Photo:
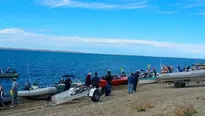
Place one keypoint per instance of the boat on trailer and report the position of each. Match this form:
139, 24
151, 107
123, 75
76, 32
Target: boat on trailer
75, 93
180, 79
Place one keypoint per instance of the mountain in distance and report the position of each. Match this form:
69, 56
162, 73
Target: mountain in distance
41, 50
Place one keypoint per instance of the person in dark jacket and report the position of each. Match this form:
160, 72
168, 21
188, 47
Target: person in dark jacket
135, 80
108, 78
95, 80
68, 83
155, 72
88, 79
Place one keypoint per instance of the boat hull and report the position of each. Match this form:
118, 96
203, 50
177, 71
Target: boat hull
38, 93
148, 80
7, 98
123, 81
9, 75
194, 75
115, 82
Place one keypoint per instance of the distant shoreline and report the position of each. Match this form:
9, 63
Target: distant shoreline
38, 50
67, 51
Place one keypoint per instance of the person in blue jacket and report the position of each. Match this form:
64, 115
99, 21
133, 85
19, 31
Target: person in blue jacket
96, 80
130, 83
179, 69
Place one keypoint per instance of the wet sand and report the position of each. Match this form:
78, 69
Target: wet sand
164, 101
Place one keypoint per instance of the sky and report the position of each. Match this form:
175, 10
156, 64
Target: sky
165, 28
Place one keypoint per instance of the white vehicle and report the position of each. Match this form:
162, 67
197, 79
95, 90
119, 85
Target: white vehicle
180, 79
74, 93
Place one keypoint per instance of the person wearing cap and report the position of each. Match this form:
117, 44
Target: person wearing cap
14, 90
88, 79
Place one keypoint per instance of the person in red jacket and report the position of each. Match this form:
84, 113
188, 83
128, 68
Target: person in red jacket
88, 79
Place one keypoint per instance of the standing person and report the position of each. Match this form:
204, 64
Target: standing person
14, 90
123, 74
95, 80
68, 83
108, 78
130, 83
1, 96
155, 72
135, 80
88, 79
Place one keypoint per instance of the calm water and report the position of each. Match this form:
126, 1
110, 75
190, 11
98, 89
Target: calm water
47, 67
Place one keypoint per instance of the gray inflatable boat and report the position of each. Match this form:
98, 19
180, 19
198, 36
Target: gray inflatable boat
192, 75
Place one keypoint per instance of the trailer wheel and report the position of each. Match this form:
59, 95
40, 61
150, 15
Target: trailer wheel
177, 84
96, 96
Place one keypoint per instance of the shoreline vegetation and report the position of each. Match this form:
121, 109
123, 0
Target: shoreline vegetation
69, 51
150, 100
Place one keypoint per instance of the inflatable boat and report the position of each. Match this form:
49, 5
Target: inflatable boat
39, 93
192, 75
123, 80
116, 81
46, 92
10, 75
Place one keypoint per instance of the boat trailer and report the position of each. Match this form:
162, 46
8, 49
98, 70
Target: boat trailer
75, 93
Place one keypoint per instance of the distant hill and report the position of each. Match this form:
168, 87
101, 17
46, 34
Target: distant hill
41, 50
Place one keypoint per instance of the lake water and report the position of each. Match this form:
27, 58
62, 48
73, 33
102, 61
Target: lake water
47, 67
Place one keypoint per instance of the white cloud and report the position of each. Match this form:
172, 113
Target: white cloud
93, 5
14, 37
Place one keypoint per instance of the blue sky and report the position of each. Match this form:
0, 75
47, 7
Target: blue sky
133, 27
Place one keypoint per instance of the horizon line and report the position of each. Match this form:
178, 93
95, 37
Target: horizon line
71, 51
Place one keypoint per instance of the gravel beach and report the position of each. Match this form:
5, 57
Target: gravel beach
157, 100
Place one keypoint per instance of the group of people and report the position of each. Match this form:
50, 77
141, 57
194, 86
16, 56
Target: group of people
170, 69
90, 80
133, 81
13, 91
150, 72
8, 71
95, 81
188, 69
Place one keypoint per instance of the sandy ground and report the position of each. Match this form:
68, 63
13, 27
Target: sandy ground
164, 102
